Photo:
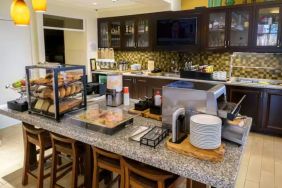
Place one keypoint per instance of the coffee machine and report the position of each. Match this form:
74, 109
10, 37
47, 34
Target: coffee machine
114, 95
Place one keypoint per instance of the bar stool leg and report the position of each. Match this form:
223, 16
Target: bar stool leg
161, 184
54, 169
95, 172
26, 163
74, 171
122, 184
41, 168
127, 184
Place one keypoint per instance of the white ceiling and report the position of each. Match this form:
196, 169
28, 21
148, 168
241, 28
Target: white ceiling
104, 4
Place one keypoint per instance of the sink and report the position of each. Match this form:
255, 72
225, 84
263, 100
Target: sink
170, 74
255, 81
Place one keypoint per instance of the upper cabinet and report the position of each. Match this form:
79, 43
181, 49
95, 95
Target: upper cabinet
239, 28
216, 35
267, 35
104, 36
125, 33
109, 34
136, 33
247, 28
228, 28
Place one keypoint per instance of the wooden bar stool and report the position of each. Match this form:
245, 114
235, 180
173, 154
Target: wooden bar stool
35, 137
138, 175
70, 149
104, 160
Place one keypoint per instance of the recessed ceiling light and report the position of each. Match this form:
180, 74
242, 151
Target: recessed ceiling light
94, 3
114, 0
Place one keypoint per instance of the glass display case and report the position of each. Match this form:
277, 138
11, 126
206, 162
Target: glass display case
239, 28
216, 30
268, 24
53, 89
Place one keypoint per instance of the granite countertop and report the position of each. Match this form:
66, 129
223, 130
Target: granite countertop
177, 77
221, 174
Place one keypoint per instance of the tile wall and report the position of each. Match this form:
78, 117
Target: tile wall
250, 65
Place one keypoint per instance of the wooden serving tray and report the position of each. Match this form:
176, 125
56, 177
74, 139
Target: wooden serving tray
152, 116
137, 112
186, 148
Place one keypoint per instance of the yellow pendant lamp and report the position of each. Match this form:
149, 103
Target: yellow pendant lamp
39, 5
20, 13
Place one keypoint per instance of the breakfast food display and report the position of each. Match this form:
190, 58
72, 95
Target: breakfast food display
58, 87
108, 118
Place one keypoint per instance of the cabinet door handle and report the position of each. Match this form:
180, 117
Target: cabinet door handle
278, 44
228, 43
225, 44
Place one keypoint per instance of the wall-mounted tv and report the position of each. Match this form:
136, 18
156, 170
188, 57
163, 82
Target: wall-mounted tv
177, 32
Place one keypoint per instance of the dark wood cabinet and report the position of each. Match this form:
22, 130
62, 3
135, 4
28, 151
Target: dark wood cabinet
229, 29
139, 87
272, 111
125, 32
129, 82
263, 105
137, 33
247, 27
109, 33
252, 104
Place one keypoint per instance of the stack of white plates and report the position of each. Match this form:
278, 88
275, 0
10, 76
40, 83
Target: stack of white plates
205, 131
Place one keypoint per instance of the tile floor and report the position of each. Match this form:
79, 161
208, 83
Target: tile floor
261, 165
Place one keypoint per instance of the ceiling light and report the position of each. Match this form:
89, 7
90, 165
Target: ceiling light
94, 3
114, 0
20, 13
39, 5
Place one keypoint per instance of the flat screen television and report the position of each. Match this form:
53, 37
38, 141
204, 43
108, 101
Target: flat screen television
177, 32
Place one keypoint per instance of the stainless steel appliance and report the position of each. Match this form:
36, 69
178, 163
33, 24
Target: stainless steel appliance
114, 98
114, 94
183, 99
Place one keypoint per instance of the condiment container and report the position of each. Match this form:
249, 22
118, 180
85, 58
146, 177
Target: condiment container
126, 96
158, 99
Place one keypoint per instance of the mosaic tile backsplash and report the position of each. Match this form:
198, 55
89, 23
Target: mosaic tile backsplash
249, 65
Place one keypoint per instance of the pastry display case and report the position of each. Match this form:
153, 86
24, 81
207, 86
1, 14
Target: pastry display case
53, 89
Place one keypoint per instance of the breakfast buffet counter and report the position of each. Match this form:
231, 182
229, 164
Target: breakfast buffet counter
222, 174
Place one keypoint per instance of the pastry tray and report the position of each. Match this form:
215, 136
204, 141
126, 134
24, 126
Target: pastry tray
100, 125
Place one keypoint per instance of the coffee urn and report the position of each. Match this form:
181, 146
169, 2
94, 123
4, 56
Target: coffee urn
114, 95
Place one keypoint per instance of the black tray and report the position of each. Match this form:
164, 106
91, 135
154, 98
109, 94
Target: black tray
14, 105
196, 75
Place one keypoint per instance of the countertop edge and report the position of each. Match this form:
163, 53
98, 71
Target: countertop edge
259, 86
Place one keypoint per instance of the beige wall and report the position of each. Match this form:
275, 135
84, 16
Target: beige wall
131, 10
90, 31
75, 48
